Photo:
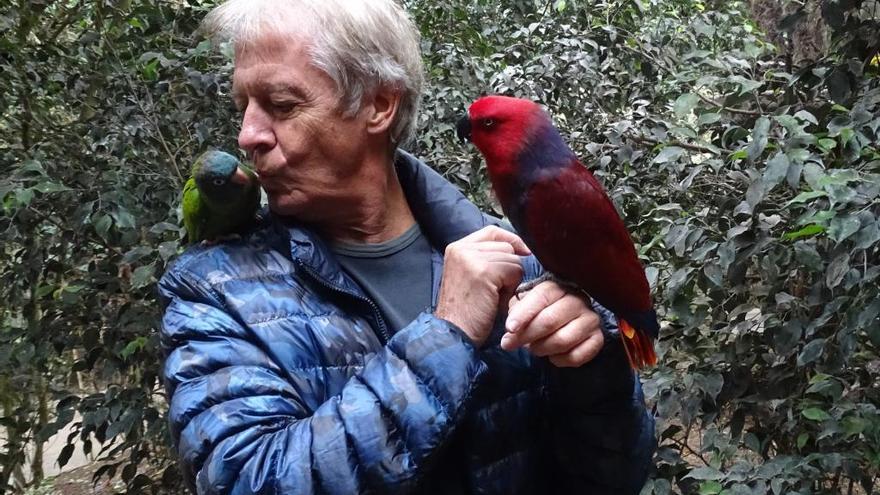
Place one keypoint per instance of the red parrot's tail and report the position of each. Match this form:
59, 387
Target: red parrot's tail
638, 346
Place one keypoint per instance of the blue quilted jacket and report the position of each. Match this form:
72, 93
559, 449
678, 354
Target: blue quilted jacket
284, 379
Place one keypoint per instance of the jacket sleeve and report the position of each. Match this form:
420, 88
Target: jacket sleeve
240, 426
602, 433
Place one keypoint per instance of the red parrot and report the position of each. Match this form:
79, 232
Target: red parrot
563, 214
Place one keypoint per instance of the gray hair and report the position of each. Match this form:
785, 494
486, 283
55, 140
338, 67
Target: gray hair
363, 45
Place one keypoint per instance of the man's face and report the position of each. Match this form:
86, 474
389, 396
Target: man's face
308, 155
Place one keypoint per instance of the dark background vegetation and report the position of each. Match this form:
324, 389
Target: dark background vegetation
739, 140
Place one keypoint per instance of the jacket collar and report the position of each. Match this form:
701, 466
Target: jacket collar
442, 211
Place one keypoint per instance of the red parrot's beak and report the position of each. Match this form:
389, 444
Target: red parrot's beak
240, 177
463, 129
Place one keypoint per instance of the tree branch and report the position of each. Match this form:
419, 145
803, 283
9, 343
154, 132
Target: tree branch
96, 238
693, 147
724, 108
172, 157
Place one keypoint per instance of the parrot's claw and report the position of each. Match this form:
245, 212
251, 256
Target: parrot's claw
531, 284
547, 276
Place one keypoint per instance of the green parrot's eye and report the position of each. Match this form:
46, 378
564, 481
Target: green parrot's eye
219, 182
488, 123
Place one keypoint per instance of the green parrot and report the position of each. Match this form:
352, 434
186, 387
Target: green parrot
220, 198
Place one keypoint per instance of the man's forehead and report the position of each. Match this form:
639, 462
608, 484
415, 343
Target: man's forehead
272, 63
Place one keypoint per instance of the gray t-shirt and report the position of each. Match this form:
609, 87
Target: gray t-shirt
396, 274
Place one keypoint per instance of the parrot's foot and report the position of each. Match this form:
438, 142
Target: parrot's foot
547, 276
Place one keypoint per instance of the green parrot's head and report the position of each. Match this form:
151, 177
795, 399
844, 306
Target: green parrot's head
219, 175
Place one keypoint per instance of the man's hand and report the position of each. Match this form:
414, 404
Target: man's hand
480, 273
552, 322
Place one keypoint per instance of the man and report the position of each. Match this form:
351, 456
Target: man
356, 341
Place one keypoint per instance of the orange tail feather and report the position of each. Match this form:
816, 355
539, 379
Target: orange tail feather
638, 346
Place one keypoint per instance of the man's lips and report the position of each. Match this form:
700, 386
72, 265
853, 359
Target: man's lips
239, 177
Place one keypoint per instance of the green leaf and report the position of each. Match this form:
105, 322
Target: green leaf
755, 193
821, 217
168, 249
759, 138
807, 255
868, 236
50, 187
837, 124
813, 174
777, 169
705, 473
124, 219
802, 440
745, 85
805, 196
843, 226
738, 155
710, 488
132, 347
24, 197
836, 270
708, 118
811, 352
137, 253
867, 315
807, 117
150, 71
684, 104
102, 223
142, 276
798, 155
808, 231
826, 144
815, 414
668, 154
203, 47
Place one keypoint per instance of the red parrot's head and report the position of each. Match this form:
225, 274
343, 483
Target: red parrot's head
499, 126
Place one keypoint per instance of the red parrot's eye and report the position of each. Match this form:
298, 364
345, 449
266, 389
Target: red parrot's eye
488, 123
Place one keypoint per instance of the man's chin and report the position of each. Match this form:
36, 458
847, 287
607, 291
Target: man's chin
288, 207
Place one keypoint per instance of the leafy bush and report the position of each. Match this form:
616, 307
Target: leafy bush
751, 186
752, 191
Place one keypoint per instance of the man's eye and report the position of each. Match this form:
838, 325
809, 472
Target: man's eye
283, 107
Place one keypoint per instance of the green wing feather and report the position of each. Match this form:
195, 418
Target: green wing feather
193, 211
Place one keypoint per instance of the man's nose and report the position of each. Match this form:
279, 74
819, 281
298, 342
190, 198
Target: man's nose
256, 134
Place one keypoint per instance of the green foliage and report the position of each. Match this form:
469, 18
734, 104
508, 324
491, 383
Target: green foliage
752, 189
104, 106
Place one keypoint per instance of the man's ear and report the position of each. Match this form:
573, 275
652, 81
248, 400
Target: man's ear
382, 108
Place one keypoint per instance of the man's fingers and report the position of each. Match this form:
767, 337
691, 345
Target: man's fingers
493, 233
548, 321
499, 246
581, 354
566, 338
526, 307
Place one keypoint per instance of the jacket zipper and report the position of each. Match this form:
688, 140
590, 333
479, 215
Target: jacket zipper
384, 336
